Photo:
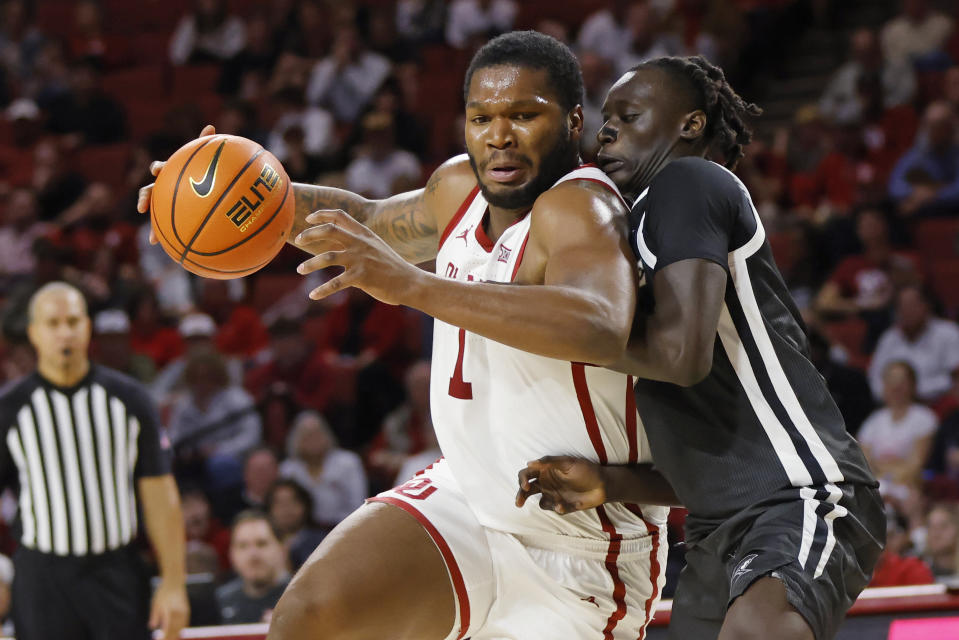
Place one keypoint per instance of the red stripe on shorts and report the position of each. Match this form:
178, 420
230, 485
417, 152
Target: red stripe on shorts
459, 585
653, 565
619, 587
586, 406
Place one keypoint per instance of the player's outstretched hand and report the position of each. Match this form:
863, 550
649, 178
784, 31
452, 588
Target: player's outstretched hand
336, 239
170, 610
143, 199
566, 484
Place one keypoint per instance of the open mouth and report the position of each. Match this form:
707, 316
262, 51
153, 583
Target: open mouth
504, 173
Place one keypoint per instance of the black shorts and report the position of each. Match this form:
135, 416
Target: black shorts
103, 597
823, 552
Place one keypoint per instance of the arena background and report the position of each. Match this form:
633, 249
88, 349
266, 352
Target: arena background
367, 94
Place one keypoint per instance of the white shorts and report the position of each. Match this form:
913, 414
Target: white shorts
512, 587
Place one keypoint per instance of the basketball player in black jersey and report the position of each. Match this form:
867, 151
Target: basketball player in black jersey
785, 522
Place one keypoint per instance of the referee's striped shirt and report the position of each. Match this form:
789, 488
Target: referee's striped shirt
75, 454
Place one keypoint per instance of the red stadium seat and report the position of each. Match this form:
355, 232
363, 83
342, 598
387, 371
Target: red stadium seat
270, 287
191, 81
944, 277
106, 163
850, 334
938, 239
145, 116
783, 250
136, 83
56, 18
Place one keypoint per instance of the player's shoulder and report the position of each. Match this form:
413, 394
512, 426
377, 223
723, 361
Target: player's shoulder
692, 174
454, 178
601, 201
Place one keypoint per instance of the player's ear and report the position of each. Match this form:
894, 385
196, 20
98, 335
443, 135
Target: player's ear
694, 124
575, 121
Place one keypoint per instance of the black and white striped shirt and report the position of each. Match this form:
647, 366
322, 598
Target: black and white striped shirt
762, 422
75, 454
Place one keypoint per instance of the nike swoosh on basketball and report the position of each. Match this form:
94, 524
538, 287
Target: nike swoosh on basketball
204, 187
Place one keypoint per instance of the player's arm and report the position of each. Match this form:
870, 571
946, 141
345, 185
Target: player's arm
673, 341
568, 484
576, 249
684, 243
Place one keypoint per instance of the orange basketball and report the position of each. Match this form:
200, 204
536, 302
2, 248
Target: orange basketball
222, 206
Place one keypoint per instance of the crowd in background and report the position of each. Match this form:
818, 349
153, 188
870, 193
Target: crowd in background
291, 412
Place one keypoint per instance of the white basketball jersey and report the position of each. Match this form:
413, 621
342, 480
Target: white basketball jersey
495, 407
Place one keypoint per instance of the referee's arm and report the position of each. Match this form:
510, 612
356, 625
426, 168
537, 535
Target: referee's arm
163, 520
160, 501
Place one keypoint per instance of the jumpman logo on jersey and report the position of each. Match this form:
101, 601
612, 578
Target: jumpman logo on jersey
591, 600
463, 235
504, 252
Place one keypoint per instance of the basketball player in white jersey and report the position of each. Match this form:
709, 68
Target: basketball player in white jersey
533, 280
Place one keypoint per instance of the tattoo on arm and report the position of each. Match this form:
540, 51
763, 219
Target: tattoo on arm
310, 198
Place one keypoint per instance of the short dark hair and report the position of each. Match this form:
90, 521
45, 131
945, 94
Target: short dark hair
533, 50
301, 493
726, 111
252, 515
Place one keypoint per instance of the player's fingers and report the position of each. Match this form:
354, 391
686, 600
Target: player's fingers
155, 617
526, 476
143, 198
208, 130
156, 166
324, 232
153, 235
322, 261
331, 286
337, 217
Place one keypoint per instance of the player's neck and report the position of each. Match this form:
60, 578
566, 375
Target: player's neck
66, 375
499, 220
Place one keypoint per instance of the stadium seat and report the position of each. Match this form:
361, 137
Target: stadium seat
190, 81
944, 277
569, 13
938, 239
783, 250
850, 333
136, 83
56, 18
270, 287
107, 163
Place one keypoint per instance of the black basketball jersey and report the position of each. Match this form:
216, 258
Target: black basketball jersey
762, 420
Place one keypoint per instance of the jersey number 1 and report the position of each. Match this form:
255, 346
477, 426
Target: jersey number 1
460, 388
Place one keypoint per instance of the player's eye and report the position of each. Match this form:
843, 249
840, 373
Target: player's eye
630, 117
525, 116
479, 119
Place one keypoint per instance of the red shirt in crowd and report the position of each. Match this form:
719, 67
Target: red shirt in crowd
894, 570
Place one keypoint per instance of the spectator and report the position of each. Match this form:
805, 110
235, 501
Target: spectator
150, 335
646, 38
214, 423
19, 230
293, 364
57, 187
20, 39
333, 476
928, 175
290, 508
840, 101
606, 32
260, 471
256, 556
240, 332
312, 130
6, 589
916, 32
420, 21
346, 80
197, 331
897, 439
848, 386
950, 87
942, 540
864, 284
929, 344
209, 33
895, 568
112, 346
381, 169
202, 528
89, 40
944, 459
87, 114
407, 430
256, 58
472, 22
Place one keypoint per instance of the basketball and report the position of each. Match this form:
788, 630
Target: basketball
222, 206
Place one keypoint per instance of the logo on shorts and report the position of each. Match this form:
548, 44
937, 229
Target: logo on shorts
743, 567
203, 187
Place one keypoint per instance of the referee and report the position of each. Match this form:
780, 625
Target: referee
73, 437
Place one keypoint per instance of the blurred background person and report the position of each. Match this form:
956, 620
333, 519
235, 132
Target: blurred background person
290, 508
334, 477
259, 561
942, 540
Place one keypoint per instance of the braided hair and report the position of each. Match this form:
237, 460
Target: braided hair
725, 110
